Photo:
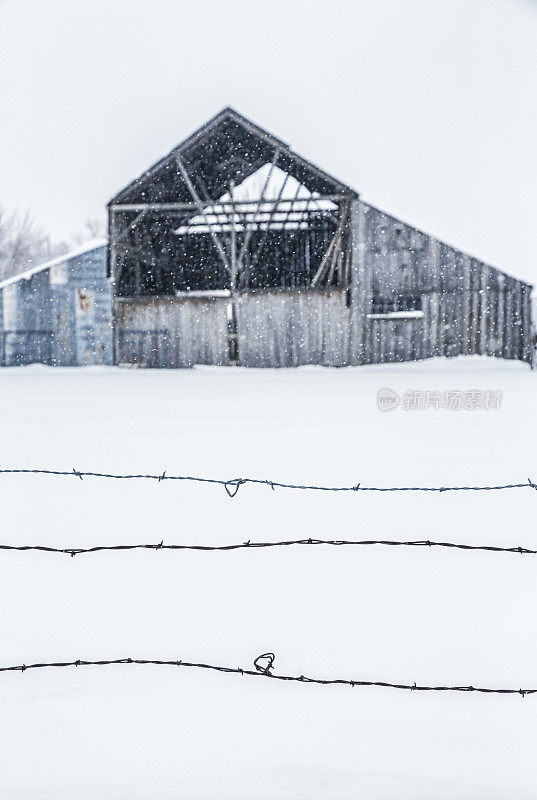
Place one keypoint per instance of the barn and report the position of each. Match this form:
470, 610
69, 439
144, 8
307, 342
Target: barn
234, 249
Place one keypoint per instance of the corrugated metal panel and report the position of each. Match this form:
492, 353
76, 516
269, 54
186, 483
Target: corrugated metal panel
42, 319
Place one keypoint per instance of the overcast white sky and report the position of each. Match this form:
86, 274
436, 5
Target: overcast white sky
427, 107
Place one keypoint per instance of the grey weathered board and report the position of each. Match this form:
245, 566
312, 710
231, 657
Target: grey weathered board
187, 331
290, 328
468, 306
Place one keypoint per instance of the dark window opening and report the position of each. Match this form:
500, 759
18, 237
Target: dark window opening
275, 257
388, 305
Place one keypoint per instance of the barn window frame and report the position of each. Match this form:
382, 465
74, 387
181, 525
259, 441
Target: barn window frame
399, 304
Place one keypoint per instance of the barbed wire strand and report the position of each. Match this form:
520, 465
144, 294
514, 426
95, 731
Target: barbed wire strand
249, 545
267, 674
233, 485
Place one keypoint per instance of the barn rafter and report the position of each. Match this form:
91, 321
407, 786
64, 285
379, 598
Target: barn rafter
191, 209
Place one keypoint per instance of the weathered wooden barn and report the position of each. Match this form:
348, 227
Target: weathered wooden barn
233, 249
60, 312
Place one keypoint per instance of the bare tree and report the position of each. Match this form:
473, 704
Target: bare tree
93, 229
23, 243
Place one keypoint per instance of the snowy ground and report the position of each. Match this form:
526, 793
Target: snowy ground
133, 733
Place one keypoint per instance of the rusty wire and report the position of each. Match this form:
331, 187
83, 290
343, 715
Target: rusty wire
249, 545
233, 485
266, 673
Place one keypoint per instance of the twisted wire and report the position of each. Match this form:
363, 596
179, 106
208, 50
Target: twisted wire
266, 673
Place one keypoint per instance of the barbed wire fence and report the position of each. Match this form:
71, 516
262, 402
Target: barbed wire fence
263, 664
233, 485
249, 545
265, 672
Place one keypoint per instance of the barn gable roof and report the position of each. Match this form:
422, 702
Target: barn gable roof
229, 147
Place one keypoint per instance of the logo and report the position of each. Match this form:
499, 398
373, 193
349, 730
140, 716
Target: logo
387, 399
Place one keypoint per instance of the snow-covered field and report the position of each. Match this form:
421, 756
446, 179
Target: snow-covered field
430, 616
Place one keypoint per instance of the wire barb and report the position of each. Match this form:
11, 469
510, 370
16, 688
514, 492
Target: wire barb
233, 486
264, 663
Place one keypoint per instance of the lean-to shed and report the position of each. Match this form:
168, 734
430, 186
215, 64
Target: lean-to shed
59, 312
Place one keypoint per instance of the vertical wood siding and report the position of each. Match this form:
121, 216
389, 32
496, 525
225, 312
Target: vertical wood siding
172, 332
287, 329
468, 307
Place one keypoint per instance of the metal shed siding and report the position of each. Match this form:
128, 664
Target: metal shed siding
27, 332
61, 315
92, 317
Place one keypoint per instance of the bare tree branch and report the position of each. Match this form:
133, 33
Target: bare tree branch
23, 244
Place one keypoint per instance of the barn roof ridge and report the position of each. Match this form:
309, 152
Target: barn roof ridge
228, 112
